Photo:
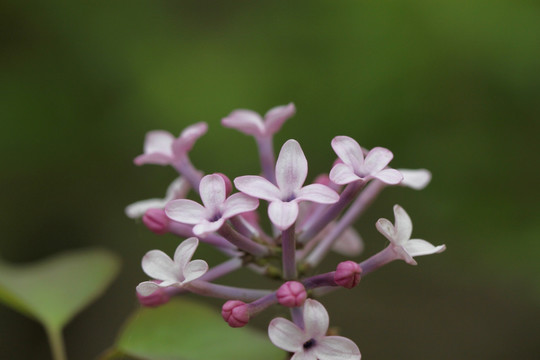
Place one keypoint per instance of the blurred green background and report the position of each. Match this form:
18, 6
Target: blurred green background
451, 86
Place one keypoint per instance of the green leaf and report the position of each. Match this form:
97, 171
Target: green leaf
187, 330
52, 291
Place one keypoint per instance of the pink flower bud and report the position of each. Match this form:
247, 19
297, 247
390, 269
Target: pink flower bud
156, 221
157, 298
228, 184
291, 294
235, 313
347, 274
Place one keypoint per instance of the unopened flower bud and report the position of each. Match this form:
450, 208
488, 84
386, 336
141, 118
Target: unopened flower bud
291, 294
228, 184
347, 274
156, 220
235, 313
157, 298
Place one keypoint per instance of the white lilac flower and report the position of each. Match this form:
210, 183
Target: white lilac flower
311, 343
400, 237
217, 207
176, 190
251, 123
162, 148
291, 172
355, 167
171, 272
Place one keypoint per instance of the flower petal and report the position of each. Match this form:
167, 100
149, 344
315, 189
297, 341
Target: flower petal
178, 189
316, 319
403, 224
237, 204
206, 227
194, 270
386, 228
158, 141
418, 247
286, 335
304, 355
246, 121
336, 348
415, 179
184, 252
147, 288
188, 137
275, 117
137, 209
349, 243
389, 176
317, 193
349, 151
258, 187
159, 266
212, 191
291, 168
283, 214
377, 159
185, 211
342, 174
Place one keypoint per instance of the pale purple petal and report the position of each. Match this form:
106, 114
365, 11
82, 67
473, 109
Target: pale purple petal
286, 335
317, 193
349, 243
194, 270
178, 189
415, 179
188, 137
212, 191
403, 224
291, 168
159, 265
275, 117
158, 141
283, 214
147, 288
206, 227
258, 187
336, 348
348, 151
137, 209
184, 252
155, 158
316, 319
186, 211
377, 159
246, 121
342, 174
386, 228
237, 204
389, 176
418, 247
303, 355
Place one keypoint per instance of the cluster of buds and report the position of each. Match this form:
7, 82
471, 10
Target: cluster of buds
307, 222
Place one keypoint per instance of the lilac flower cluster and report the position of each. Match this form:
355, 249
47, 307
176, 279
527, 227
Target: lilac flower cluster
307, 222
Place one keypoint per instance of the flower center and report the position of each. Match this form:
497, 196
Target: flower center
309, 344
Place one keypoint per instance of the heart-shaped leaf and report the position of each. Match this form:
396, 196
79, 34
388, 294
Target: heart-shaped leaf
187, 330
53, 290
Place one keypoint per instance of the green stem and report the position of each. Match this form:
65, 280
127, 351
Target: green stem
57, 343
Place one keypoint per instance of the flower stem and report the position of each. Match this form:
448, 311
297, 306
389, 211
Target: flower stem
57, 343
266, 156
242, 242
288, 245
225, 292
187, 170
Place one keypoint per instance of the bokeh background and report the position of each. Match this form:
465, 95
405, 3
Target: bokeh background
450, 85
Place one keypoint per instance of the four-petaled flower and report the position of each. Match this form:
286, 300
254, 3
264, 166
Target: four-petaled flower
400, 237
217, 207
311, 343
355, 167
251, 123
177, 272
162, 148
291, 172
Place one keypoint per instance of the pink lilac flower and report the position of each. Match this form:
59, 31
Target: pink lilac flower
176, 190
162, 148
400, 237
251, 123
171, 272
217, 207
291, 172
355, 167
311, 343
